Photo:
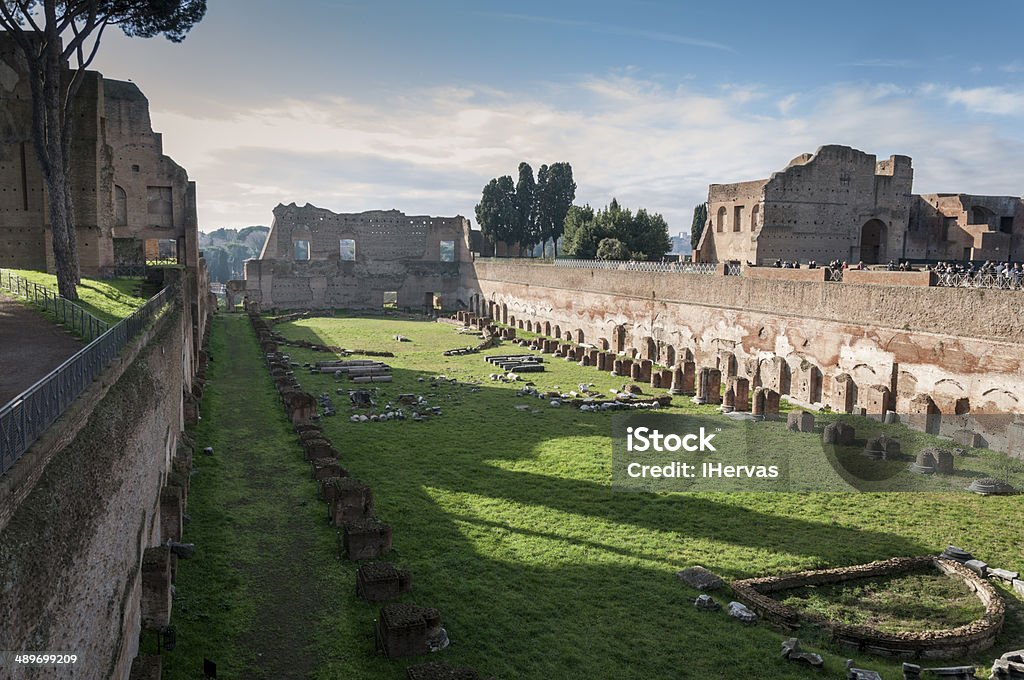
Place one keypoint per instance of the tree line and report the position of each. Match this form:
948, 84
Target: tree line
527, 212
615, 233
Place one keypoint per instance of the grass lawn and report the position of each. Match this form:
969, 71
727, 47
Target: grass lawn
108, 299
928, 600
509, 523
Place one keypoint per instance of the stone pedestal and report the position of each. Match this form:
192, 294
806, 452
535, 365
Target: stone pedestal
838, 434
800, 421
729, 401
156, 587
703, 384
382, 581
758, 403
171, 513
714, 386
646, 366
771, 403
366, 539
409, 630
689, 377
741, 386
677, 381
348, 500
146, 667
635, 371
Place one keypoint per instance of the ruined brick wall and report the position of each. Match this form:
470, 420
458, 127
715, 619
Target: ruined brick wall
799, 337
393, 252
815, 208
71, 550
966, 227
118, 171
149, 196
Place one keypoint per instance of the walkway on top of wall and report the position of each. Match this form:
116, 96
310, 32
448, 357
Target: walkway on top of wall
30, 347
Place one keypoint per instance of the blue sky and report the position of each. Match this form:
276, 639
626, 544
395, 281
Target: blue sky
415, 105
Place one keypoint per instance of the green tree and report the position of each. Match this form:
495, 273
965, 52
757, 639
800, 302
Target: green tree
496, 212
582, 232
527, 232
555, 197
643, 234
700, 218
49, 34
612, 249
650, 235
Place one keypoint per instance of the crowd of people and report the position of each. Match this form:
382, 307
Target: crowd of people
1008, 275
989, 274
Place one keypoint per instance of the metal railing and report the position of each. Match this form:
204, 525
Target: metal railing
979, 280
30, 413
66, 312
638, 266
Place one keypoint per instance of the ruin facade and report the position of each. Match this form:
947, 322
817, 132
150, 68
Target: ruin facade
315, 258
841, 203
131, 202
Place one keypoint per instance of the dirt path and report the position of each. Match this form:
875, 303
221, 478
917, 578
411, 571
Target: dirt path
259, 588
30, 347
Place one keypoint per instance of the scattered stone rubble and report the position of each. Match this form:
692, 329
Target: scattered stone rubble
791, 651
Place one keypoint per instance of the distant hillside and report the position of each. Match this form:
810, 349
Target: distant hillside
226, 250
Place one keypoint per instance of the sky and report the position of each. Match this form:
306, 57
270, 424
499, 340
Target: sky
414, 105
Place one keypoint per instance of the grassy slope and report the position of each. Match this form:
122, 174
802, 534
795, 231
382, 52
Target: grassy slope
510, 527
110, 300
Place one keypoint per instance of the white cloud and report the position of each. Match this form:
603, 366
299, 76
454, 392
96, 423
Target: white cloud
645, 143
996, 100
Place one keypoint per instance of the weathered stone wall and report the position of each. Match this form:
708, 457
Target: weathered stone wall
394, 253
806, 339
966, 227
90, 489
118, 171
816, 208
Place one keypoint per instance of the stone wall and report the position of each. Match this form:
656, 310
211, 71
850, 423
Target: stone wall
818, 207
119, 173
91, 489
815, 341
395, 256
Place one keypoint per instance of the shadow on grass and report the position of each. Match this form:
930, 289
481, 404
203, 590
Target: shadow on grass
540, 570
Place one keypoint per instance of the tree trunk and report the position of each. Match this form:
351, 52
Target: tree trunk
52, 139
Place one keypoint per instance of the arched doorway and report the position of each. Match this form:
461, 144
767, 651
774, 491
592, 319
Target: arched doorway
872, 242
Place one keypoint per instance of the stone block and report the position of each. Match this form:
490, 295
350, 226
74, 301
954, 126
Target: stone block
409, 630
366, 539
741, 386
800, 421
839, 434
326, 468
700, 578
771, 403
978, 567
156, 587
348, 499
146, 667
171, 513
382, 581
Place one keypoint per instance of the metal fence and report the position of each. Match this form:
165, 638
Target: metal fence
68, 313
980, 280
29, 414
635, 266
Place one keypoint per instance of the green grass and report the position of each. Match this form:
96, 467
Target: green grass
510, 526
108, 299
928, 600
